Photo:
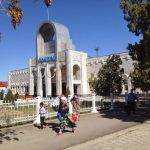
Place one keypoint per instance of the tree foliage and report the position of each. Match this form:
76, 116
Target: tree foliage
140, 78
14, 10
9, 97
1, 95
137, 14
92, 82
15, 97
109, 77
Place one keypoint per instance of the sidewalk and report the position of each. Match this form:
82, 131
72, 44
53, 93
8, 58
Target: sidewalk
134, 138
90, 126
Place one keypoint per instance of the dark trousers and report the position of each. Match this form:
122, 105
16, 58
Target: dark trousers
42, 122
131, 107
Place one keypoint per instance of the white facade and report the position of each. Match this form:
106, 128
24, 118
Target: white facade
58, 66
94, 64
19, 81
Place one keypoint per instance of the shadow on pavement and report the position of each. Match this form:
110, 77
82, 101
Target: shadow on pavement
54, 126
8, 135
142, 114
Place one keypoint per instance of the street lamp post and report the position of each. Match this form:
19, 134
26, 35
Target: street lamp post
97, 51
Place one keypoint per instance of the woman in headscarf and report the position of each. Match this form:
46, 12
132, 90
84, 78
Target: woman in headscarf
76, 104
65, 121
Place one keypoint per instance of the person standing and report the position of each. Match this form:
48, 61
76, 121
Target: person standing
76, 104
42, 112
131, 102
65, 120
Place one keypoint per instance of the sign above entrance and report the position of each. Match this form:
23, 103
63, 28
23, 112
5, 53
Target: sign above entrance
47, 59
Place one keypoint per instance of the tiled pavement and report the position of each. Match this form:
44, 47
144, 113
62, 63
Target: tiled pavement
134, 138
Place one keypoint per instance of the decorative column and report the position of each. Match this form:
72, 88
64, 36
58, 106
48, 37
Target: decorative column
31, 79
20, 89
83, 75
15, 89
58, 79
111, 100
23, 89
39, 81
69, 72
129, 84
93, 104
48, 81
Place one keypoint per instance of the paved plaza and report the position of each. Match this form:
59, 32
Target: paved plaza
134, 138
101, 129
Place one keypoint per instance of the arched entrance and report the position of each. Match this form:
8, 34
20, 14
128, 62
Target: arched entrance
64, 78
53, 81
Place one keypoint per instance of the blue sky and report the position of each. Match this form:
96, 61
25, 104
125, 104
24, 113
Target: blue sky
92, 23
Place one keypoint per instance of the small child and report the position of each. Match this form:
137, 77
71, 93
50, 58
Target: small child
42, 112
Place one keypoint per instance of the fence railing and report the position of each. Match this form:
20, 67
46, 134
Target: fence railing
25, 110
17, 112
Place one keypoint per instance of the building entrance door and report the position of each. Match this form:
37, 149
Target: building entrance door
64, 88
77, 89
54, 89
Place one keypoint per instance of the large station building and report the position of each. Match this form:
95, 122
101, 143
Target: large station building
58, 66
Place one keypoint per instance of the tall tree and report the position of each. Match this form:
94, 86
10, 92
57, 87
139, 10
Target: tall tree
9, 97
109, 78
137, 14
140, 78
92, 82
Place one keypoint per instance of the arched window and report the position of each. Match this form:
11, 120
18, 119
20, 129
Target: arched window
76, 72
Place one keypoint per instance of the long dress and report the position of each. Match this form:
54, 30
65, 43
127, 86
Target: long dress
76, 104
65, 120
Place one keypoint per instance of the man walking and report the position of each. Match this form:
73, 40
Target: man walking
131, 102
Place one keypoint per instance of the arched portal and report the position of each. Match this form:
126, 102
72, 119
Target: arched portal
46, 40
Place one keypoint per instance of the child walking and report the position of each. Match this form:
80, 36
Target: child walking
42, 112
